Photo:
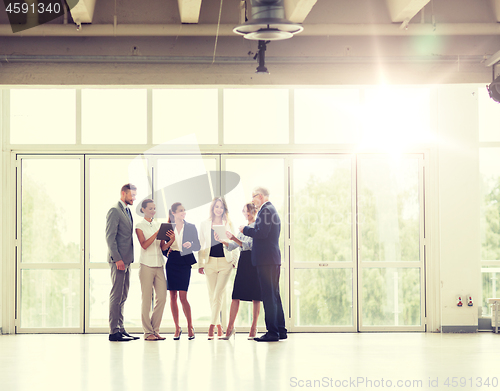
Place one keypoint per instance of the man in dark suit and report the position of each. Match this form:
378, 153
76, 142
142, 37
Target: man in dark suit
266, 256
119, 229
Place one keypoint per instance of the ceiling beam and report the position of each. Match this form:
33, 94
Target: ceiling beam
82, 11
496, 8
297, 10
404, 10
189, 10
200, 30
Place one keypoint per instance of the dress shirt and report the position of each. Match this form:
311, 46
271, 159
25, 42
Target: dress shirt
177, 244
151, 256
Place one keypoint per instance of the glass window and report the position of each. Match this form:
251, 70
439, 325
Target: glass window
394, 118
50, 298
323, 297
327, 116
490, 288
178, 113
321, 210
114, 116
391, 297
43, 116
388, 209
188, 183
256, 116
489, 113
106, 178
100, 285
489, 166
264, 172
51, 208
489, 163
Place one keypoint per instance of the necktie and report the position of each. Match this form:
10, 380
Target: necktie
129, 214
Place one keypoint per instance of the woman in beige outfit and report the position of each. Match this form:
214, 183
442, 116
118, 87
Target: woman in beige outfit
216, 261
151, 272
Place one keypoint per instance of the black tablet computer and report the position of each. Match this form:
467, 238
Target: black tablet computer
164, 228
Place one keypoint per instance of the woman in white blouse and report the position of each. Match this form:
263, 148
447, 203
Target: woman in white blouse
151, 274
216, 261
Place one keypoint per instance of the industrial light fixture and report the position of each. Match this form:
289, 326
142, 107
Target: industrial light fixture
494, 87
268, 22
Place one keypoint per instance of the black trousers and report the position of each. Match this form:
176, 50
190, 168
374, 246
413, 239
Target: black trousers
269, 278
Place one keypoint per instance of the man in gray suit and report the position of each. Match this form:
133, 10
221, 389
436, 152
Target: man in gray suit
119, 229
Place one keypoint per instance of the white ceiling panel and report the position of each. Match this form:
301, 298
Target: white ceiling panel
189, 10
82, 11
297, 10
405, 10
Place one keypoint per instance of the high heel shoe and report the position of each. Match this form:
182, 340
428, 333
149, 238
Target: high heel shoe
211, 337
178, 337
191, 337
228, 337
251, 335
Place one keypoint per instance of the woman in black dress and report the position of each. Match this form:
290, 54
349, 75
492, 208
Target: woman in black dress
179, 260
246, 283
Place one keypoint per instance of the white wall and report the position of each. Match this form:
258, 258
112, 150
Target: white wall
459, 204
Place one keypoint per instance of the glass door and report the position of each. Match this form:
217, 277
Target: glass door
322, 243
187, 179
166, 179
390, 242
270, 172
105, 177
50, 270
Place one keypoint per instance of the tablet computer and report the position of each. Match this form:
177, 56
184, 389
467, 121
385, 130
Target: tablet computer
164, 228
221, 231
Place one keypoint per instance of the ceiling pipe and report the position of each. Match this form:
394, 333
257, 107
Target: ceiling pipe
174, 30
12, 58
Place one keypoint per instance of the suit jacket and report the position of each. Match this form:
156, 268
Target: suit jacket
206, 244
190, 235
265, 234
119, 230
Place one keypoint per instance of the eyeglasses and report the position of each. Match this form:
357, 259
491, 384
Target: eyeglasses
255, 196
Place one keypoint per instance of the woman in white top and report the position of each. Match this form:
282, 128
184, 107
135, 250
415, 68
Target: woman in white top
216, 261
151, 272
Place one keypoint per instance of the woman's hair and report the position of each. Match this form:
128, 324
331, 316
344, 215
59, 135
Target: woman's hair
172, 210
145, 203
225, 215
251, 208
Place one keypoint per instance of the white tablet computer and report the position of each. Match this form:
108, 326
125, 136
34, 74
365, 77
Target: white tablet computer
221, 231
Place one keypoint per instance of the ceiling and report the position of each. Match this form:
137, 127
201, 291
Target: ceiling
333, 15
428, 33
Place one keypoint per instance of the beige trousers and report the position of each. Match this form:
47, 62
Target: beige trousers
152, 277
217, 271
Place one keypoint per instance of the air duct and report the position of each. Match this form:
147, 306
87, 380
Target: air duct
268, 22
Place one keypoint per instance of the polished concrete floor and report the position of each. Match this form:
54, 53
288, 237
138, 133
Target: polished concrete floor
304, 361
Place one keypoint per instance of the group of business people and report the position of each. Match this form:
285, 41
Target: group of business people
254, 250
